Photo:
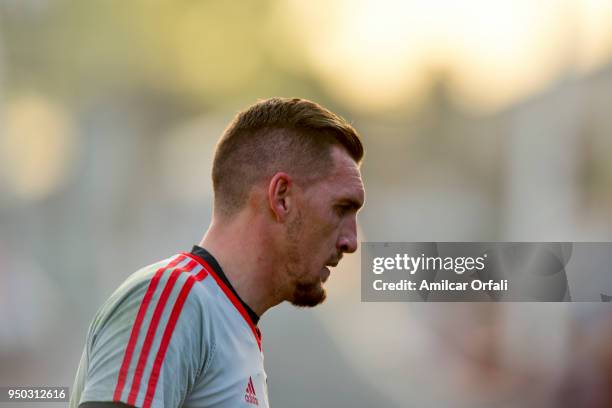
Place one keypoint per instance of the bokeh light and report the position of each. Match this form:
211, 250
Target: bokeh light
38, 146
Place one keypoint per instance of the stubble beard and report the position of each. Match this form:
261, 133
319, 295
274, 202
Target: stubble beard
307, 290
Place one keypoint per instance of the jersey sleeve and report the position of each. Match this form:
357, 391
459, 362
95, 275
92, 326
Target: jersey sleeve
147, 346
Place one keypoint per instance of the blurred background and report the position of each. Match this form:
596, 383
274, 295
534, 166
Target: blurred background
483, 120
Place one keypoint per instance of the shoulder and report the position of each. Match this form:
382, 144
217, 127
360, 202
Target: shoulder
163, 290
154, 323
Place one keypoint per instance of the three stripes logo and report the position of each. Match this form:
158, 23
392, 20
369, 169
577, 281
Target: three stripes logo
135, 382
249, 395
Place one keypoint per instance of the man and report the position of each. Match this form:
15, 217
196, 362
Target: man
183, 332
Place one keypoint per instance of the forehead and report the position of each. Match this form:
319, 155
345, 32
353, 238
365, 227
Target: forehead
344, 181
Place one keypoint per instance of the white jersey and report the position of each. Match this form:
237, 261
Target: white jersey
173, 335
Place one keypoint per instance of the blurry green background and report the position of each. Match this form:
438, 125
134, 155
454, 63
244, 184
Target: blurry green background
482, 120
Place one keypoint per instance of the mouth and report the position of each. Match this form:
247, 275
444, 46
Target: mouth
325, 272
334, 261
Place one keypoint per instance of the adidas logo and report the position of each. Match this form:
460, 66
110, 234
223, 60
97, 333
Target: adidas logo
249, 395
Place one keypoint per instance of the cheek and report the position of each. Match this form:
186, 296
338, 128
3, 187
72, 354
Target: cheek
322, 228
325, 236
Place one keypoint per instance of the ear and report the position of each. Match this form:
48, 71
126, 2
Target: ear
279, 195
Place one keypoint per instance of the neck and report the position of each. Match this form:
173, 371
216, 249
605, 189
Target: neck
240, 249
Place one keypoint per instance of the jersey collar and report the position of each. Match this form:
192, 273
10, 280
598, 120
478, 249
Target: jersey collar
209, 263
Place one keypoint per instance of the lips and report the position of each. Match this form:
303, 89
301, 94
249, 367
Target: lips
334, 262
325, 273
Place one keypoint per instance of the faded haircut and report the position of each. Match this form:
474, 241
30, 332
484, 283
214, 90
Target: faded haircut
278, 134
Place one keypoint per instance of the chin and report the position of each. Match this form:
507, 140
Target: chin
308, 295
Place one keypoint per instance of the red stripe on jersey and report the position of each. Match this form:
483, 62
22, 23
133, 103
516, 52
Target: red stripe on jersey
148, 342
127, 357
201, 275
163, 347
251, 387
231, 296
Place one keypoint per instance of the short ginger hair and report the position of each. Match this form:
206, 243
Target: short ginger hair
291, 135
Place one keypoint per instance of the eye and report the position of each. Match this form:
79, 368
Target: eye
342, 209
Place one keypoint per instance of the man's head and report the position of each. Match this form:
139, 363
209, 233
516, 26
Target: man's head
293, 164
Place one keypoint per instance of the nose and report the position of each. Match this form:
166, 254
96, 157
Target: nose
347, 240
